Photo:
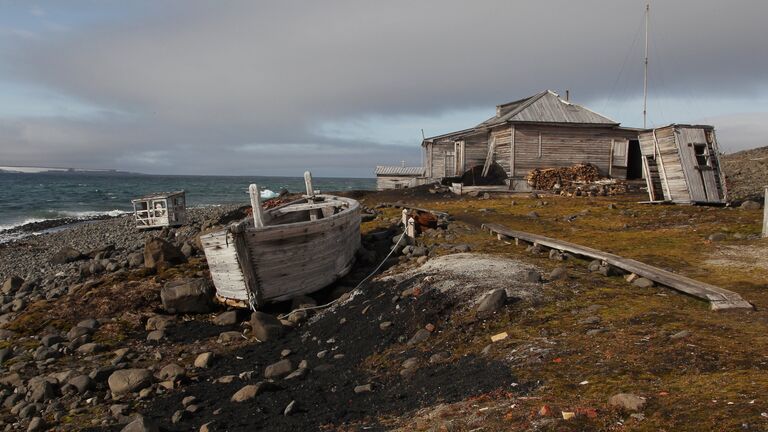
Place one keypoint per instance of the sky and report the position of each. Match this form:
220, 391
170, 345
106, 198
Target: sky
338, 87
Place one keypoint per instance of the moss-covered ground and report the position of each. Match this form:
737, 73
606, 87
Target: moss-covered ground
712, 379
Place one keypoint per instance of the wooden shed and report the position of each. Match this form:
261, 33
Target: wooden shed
540, 131
682, 164
399, 177
160, 210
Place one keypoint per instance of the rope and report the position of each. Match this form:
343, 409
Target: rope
376, 270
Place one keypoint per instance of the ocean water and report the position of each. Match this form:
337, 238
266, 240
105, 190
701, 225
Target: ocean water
26, 198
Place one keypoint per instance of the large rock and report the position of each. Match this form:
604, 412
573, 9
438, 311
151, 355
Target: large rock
67, 255
252, 390
750, 205
129, 380
160, 253
171, 372
266, 327
12, 284
491, 302
187, 296
627, 401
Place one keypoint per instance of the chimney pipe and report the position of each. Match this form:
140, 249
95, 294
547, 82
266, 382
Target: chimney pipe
567, 95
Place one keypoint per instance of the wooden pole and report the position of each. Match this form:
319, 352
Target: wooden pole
410, 229
405, 217
258, 211
765, 212
310, 194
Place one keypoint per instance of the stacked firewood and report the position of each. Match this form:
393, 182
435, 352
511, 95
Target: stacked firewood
558, 178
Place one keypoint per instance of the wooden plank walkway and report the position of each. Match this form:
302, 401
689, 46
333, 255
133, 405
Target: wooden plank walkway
719, 298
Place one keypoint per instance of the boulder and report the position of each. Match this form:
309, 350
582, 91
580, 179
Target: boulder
67, 255
252, 390
627, 401
187, 296
279, 369
491, 302
37, 424
419, 336
129, 380
160, 253
41, 390
136, 259
12, 284
159, 322
266, 327
82, 383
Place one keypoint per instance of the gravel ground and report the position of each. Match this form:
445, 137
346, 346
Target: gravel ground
30, 257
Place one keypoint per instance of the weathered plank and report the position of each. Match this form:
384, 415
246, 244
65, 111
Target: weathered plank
719, 298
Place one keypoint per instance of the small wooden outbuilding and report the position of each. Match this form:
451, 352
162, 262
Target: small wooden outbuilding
682, 164
399, 177
540, 131
160, 210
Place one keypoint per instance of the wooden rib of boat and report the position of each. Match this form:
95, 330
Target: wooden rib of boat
297, 248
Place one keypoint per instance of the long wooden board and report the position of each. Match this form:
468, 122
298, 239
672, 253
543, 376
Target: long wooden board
719, 298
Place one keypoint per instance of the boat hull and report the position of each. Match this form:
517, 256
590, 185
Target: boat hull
278, 262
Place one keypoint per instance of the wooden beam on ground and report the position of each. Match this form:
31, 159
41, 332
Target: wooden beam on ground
719, 298
439, 214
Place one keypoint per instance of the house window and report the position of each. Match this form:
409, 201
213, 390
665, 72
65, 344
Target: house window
619, 149
702, 156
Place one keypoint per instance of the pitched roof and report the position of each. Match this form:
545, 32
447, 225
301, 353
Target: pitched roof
545, 107
399, 170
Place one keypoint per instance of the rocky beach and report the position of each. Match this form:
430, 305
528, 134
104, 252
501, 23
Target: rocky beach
105, 327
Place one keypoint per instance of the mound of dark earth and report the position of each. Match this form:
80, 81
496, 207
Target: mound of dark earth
345, 347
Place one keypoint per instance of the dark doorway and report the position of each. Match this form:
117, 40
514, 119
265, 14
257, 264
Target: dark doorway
634, 161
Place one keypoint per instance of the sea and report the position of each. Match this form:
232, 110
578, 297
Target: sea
26, 198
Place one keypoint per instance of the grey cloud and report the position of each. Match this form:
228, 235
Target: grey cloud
205, 79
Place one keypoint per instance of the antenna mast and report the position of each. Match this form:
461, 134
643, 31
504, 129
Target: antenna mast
645, 70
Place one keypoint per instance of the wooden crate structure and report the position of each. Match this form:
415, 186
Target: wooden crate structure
166, 209
682, 164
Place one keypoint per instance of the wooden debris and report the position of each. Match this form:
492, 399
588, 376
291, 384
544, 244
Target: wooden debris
499, 336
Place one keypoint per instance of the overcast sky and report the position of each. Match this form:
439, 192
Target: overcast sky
274, 88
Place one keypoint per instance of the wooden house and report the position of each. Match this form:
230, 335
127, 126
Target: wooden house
399, 177
160, 210
682, 164
541, 131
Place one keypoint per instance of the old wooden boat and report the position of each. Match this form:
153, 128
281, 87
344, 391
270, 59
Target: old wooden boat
296, 248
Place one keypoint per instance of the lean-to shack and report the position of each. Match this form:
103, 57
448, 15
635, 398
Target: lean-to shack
160, 210
540, 131
399, 177
682, 164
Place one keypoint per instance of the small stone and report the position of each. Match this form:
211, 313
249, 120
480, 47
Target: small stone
642, 283
278, 369
285, 353
750, 205
680, 335
204, 360
420, 336
716, 237
228, 318
558, 273
594, 265
230, 336
365, 388
171, 372
36, 425
179, 416
266, 327
129, 380
187, 296
410, 363
533, 276
590, 320
252, 390
430, 327
155, 336
322, 354
384, 325
290, 408
12, 284
91, 348
627, 401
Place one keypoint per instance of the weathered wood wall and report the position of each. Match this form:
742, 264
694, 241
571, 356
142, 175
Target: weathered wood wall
663, 145
398, 182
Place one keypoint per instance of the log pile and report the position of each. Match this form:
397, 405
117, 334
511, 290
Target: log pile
576, 180
555, 178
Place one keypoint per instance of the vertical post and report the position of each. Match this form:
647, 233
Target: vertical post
405, 217
512, 154
645, 68
308, 184
765, 213
410, 229
258, 211
310, 194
